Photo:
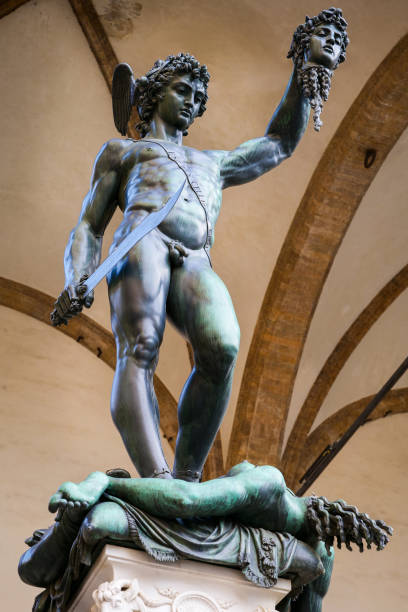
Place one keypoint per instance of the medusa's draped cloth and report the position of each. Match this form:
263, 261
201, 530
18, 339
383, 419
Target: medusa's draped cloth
261, 555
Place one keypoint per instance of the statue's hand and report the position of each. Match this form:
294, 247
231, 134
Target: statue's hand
70, 302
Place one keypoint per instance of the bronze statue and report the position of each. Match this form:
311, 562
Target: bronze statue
169, 272
248, 518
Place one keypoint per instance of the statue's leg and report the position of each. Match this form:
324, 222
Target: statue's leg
138, 288
105, 520
46, 560
311, 598
200, 307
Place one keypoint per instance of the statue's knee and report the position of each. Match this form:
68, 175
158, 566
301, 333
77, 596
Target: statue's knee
218, 362
93, 529
306, 566
107, 519
319, 580
321, 569
145, 349
35, 573
26, 570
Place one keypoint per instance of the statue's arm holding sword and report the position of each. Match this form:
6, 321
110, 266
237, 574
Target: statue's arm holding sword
83, 251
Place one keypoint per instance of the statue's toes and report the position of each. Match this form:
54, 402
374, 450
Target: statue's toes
77, 510
56, 501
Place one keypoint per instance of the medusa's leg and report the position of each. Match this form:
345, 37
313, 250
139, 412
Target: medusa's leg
311, 598
46, 560
106, 520
48, 554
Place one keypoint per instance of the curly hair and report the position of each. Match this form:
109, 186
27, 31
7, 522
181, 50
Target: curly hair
338, 520
315, 81
149, 89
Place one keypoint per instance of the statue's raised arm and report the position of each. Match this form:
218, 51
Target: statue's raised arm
317, 48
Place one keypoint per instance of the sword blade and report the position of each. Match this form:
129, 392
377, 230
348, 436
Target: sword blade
150, 222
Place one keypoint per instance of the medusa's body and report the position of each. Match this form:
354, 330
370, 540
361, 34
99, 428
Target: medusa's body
253, 496
234, 509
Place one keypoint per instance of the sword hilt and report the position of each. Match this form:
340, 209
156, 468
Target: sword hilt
76, 303
76, 308
55, 318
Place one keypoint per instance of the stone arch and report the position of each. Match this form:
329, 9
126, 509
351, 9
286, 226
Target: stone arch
373, 123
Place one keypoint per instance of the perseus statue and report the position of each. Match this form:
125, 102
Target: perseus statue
169, 271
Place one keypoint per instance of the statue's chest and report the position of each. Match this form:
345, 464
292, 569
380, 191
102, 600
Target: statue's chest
194, 164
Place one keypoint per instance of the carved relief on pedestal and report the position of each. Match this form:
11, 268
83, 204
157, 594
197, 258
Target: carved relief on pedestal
199, 602
126, 596
120, 595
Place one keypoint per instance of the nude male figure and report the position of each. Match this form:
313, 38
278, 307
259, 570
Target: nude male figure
169, 271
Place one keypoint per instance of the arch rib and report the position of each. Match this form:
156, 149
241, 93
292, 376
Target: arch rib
8, 6
293, 460
395, 402
102, 49
375, 121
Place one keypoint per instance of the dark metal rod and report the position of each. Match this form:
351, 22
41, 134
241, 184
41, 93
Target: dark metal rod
325, 458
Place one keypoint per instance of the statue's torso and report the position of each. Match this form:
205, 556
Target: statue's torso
149, 178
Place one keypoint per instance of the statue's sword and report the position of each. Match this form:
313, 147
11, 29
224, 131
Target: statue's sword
148, 224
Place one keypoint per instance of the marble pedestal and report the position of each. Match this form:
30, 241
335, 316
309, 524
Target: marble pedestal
126, 580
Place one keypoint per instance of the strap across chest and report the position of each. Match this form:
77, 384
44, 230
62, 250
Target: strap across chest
175, 157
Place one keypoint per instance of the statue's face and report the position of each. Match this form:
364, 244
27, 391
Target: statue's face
181, 101
325, 45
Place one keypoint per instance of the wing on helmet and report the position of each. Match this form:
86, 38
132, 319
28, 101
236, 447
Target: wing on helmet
123, 89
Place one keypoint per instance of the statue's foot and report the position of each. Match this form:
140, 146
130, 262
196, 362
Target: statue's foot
79, 498
162, 473
72, 513
187, 475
